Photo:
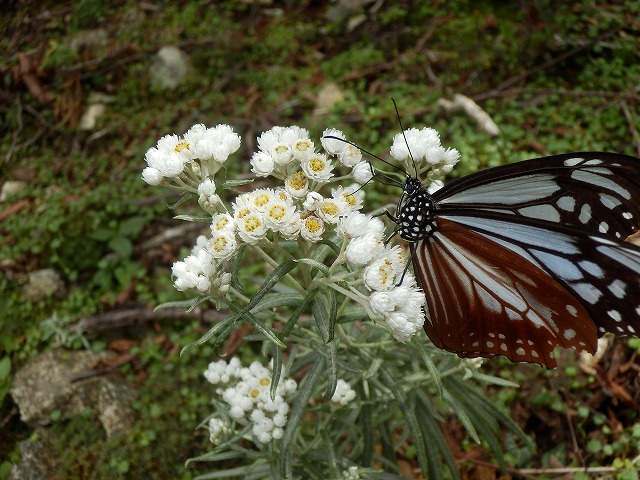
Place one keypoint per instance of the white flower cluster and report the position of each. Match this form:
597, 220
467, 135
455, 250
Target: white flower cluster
343, 394
201, 271
399, 305
219, 431
351, 473
185, 161
289, 154
247, 392
424, 147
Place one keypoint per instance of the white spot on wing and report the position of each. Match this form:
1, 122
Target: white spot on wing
585, 213
614, 314
592, 268
566, 203
572, 162
543, 212
618, 288
587, 291
569, 333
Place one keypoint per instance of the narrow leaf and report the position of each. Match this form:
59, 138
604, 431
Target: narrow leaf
261, 328
233, 183
188, 305
276, 371
216, 329
304, 393
315, 264
274, 278
183, 198
194, 218
293, 319
278, 300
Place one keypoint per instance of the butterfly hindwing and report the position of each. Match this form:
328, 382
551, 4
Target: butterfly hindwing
601, 273
484, 300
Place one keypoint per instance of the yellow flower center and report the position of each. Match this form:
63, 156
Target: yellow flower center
330, 208
243, 212
254, 393
298, 181
280, 149
181, 146
313, 224
277, 212
264, 381
261, 200
303, 145
219, 244
223, 222
351, 199
252, 223
317, 164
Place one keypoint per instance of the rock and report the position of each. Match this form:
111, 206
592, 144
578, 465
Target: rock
9, 188
329, 95
170, 67
42, 284
37, 458
46, 384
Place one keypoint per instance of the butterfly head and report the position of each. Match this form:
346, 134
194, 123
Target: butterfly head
415, 211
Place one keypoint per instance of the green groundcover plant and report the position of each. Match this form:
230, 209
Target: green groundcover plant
341, 386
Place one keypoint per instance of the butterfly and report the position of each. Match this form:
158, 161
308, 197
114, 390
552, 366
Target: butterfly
519, 259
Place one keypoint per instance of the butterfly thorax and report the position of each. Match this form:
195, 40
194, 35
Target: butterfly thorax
415, 212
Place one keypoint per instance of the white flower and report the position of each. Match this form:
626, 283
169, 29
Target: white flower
252, 227
353, 195
219, 431
331, 209
312, 202
434, 186
217, 143
400, 326
279, 215
223, 222
311, 228
292, 231
362, 172
248, 392
362, 249
208, 199
357, 224
223, 244
199, 271
152, 176
260, 199
350, 156
297, 185
302, 149
351, 473
343, 393
174, 145
168, 164
331, 145
380, 275
382, 303
262, 164
317, 167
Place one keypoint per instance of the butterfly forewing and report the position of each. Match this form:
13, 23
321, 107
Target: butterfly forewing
590, 191
485, 300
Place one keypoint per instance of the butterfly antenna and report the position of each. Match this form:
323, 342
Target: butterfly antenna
367, 152
415, 168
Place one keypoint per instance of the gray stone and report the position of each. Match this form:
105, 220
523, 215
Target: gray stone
170, 67
38, 458
42, 284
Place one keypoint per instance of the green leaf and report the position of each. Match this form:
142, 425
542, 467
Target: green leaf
315, 264
131, 227
304, 393
412, 422
293, 319
183, 198
235, 267
189, 305
274, 278
277, 371
265, 331
5, 368
215, 330
194, 218
122, 246
278, 300
460, 412
433, 371
324, 311
233, 183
